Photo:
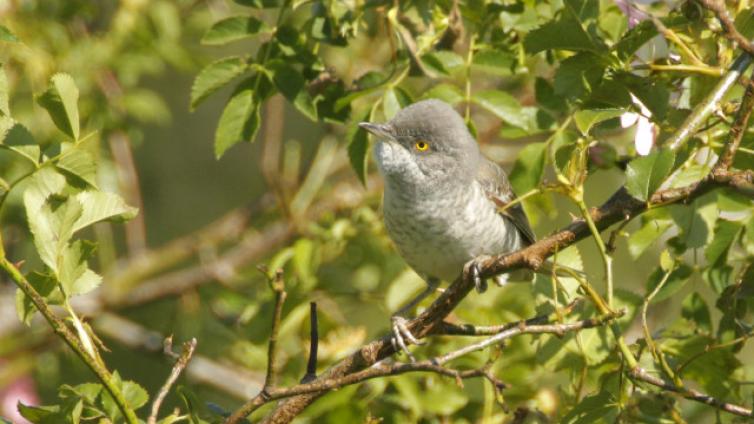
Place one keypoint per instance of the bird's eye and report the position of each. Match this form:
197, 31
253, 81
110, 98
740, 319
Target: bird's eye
421, 146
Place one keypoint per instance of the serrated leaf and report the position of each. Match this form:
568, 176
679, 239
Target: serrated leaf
358, 148
233, 29
390, 104
586, 119
61, 102
645, 236
529, 167
17, 138
46, 286
694, 309
724, 236
73, 270
502, 104
238, 122
6, 35
578, 75
292, 84
78, 161
494, 62
448, 93
214, 76
442, 61
565, 33
135, 395
644, 175
601, 407
99, 206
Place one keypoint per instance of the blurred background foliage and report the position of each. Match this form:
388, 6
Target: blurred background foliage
166, 87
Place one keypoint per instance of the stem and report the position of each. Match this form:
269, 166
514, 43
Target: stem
68, 337
607, 259
708, 105
469, 59
691, 69
657, 353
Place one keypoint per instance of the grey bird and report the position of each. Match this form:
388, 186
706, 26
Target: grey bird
443, 199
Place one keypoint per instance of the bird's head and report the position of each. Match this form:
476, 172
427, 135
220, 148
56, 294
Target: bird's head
425, 144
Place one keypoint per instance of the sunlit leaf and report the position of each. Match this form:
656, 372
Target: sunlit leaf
644, 175
586, 119
61, 102
215, 76
502, 104
99, 206
233, 29
239, 121
17, 138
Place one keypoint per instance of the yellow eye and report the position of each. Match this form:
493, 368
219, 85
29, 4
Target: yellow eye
421, 146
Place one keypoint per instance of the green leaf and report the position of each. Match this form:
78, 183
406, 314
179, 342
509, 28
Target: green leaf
46, 285
695, 222
135, 395
677, 279
17, 138
4, 93
233, 29
694, 309
214, 76
77, 161
650, 231
390, 104
545, 94
6, 35
448, 93
292, 84
99, 206
239, 121
586, 119
443, 61
74, 274
494, 62
745, 22
502, 104
51, 226
644, 175
565, 33
529, 168
578, 75
601, 407
724, 236
358, 148
60, 100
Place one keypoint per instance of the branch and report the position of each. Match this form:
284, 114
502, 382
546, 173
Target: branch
311, 364
641, 374
729, 26
434, 365
621, 206
65, 333
180, 364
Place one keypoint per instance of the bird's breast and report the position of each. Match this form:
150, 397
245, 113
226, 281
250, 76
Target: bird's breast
437, 232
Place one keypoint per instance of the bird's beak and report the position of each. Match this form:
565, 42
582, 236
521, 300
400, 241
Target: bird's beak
383, 131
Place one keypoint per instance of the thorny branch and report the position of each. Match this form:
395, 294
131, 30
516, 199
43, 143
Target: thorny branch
180, 364
621, 206
434, 365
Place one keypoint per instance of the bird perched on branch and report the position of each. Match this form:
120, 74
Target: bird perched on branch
444, 200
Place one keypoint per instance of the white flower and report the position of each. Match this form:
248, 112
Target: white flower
644, 138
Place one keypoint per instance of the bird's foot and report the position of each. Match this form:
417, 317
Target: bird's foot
471, 271
401, 334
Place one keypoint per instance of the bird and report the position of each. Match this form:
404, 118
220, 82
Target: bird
445, 205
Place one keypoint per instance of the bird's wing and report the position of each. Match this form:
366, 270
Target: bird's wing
498, 189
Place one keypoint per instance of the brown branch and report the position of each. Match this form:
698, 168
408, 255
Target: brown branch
136, 233
180, 364
642, 375
434, 365
729, 26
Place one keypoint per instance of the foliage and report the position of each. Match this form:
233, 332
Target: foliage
551, 88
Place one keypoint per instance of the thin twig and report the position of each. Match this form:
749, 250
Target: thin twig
311, 364
729, 26
429, 365
278, 286
656, 352
65, 333
180, 364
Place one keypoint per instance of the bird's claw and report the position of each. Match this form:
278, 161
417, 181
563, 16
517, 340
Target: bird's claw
401, 331
471, 270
